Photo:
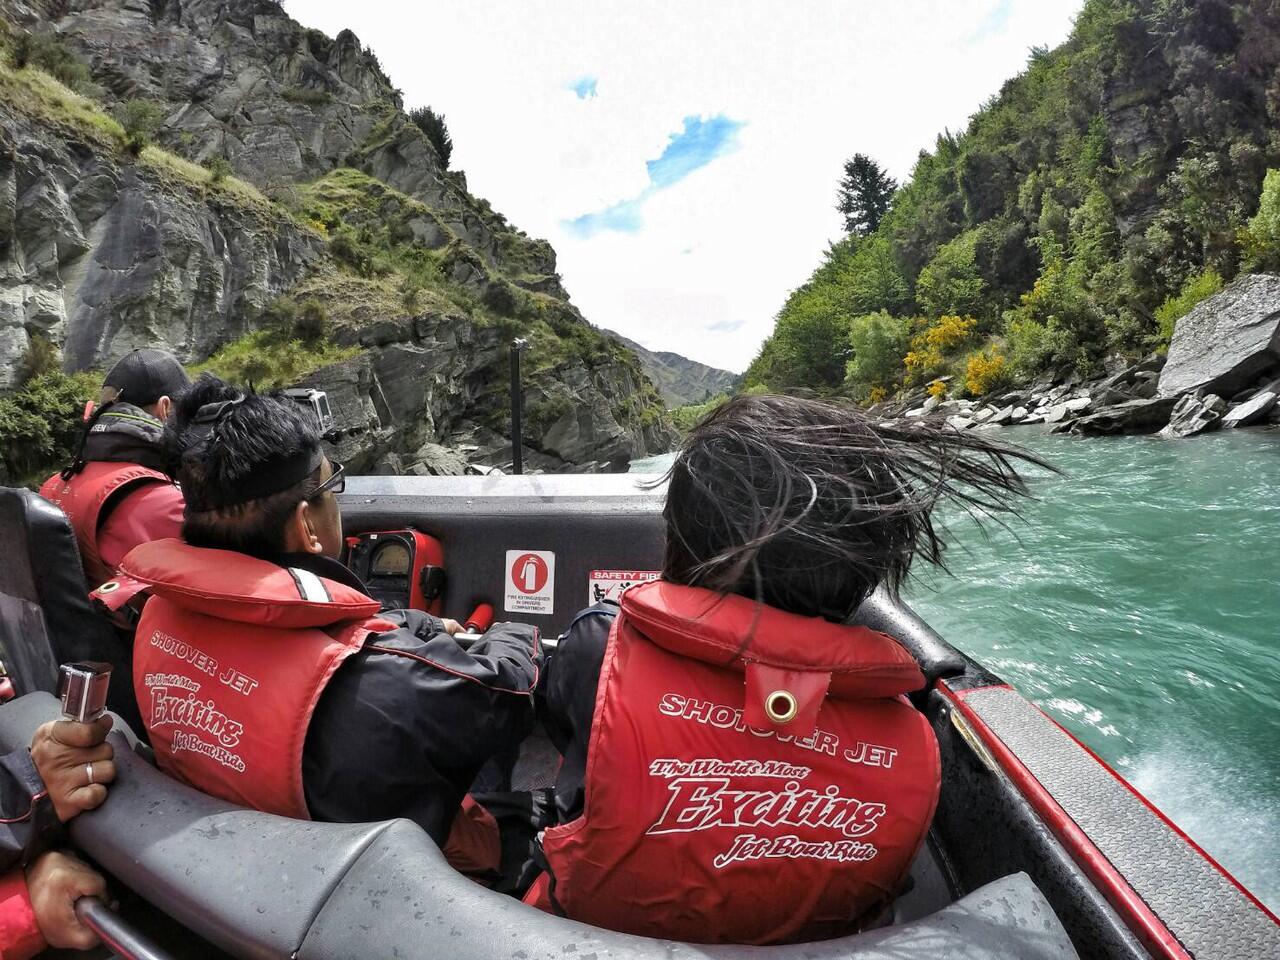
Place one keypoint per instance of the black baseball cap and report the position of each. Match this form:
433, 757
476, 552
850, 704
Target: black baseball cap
146, 375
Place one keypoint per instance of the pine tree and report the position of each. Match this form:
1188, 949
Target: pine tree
865, 195
433, 125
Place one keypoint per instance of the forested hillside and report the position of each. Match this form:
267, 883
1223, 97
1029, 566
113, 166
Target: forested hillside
1117, 181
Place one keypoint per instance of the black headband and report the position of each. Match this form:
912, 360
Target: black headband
271, 476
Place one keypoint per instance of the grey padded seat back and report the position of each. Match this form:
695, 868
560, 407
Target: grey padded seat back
45, 614
261, 886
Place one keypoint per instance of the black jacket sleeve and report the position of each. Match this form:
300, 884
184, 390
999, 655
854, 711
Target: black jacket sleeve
27, 820
405, 725
567, 700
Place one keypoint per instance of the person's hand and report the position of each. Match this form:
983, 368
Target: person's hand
62, 751
452, 626
55, 881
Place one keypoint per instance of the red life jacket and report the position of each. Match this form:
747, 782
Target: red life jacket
710, 817
82, 499
230, 658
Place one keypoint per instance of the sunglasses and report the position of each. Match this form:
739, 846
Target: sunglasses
336, 482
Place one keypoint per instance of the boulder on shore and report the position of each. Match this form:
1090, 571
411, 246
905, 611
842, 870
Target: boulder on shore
1194, 415
1134, 416
1226, 341
1255, 409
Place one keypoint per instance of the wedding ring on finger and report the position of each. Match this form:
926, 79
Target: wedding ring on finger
88, 769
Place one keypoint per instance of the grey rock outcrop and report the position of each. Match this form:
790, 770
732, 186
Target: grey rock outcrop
103, 256
241, 80
1255, 409
428, 382
1227, 341
1193, 414
1133, 416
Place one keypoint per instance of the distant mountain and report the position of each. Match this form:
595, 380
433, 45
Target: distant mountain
679, 379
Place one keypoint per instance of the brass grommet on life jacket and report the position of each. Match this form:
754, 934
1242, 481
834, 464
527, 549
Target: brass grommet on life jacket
781, 706
111, 586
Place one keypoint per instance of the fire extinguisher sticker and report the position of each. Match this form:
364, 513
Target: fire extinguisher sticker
531, 582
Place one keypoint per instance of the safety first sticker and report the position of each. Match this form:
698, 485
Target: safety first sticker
609, 584
531, 581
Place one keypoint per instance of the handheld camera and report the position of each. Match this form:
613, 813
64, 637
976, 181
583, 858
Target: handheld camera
317, 401
82, 688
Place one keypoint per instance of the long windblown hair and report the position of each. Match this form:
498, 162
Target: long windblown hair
809, 505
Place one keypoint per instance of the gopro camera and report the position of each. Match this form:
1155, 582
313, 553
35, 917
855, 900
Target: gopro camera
317, 401
82, 688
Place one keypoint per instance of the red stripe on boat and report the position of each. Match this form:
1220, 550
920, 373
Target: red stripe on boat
1140, 918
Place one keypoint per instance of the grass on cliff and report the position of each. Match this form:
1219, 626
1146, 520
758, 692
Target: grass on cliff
35, 93
265, 360
383, 268
171, 167
40, 96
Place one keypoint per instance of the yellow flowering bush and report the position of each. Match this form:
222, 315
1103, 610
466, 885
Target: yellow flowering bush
877, 394
938, 389
927, 356
985, 372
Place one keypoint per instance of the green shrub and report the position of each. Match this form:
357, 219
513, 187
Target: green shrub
1199, 287
1261, 237
949, 283
437, 132
312, 323
870, 278
1035, 347
306, 96
879, 343
140, 120
688, 416
40, 421
265, 360
219, 169
46, 52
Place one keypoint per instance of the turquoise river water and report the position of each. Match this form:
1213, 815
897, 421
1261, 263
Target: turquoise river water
1138, 603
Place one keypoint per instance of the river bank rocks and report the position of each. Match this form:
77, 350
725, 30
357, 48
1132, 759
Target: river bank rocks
1222, 369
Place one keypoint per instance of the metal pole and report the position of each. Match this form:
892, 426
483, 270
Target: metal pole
517, 402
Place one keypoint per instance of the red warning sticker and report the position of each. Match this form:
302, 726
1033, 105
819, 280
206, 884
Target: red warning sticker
531, 581
609, 584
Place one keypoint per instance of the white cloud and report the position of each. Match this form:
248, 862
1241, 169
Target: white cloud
812, 82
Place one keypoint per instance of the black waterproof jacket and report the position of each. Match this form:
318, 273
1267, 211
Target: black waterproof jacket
567, 701
393, 736
27, 821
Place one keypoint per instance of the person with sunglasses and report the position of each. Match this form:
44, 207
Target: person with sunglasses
265, 672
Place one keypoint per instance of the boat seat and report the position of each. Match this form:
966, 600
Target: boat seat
936, 657
45, 614
261, 886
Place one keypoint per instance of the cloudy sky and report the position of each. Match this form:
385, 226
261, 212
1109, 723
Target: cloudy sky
682, 157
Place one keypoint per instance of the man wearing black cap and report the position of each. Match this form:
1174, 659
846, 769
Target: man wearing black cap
115, 492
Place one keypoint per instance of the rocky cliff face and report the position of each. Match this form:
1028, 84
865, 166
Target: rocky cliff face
102, 256
336, 197
681, 380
